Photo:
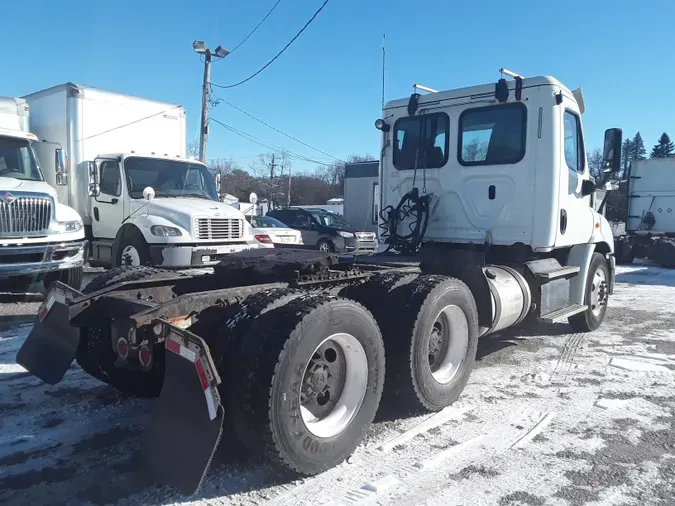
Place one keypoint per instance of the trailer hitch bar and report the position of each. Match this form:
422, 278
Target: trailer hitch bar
187, 423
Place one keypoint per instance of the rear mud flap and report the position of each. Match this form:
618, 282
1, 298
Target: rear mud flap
187, 422
50, 347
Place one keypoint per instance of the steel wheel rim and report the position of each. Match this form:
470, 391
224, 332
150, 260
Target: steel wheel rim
342, 357
130, 256
598, 292
448, 344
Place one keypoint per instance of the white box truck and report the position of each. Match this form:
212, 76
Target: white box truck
142, 201
41, 239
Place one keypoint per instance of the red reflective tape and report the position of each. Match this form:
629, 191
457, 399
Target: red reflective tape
43, 313
173, 346
202, 375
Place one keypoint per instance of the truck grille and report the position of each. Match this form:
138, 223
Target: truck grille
218, 228
24, 215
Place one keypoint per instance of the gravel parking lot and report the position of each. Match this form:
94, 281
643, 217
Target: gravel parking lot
548, 417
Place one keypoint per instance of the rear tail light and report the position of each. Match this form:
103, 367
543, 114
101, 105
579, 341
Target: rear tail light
263, 238
300, 239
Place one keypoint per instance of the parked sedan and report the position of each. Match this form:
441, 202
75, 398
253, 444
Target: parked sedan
278, 232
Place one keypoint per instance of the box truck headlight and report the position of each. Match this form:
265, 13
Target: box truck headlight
165, 231
70, 226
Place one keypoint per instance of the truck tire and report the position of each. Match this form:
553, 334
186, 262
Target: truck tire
130, 248
95, 354
308, 382
623, 253
71, 277
431, 338
596, 296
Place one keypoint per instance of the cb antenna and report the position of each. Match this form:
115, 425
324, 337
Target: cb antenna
384, 54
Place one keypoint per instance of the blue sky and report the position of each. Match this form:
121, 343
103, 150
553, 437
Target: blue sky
326, 88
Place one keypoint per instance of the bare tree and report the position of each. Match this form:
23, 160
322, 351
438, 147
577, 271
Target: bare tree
192, 148
272, 170
474, 151
594, 158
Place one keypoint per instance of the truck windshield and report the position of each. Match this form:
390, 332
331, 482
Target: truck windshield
169, 178
17, 160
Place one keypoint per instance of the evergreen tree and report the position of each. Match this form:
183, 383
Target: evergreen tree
664, 148
626, 153
639, 151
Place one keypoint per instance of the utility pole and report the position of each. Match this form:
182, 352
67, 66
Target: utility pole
288, 198
204, 124
272, 166
220, 52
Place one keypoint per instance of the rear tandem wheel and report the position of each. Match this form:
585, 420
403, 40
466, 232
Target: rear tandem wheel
430, 328
306, 381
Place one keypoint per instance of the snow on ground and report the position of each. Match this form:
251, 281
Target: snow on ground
548, 417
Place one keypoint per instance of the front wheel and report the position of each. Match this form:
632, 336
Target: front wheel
131, 249
325, 245
596, 296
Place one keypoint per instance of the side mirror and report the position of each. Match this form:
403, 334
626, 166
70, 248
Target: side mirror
218, 182
611, 155
148, 193
94, 188
587, 187
61, 167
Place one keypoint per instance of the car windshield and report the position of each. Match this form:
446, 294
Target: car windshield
17, 160
329, 219
169, 178
266, 222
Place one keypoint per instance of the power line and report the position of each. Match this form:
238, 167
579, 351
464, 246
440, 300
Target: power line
256, 28
283, 133
278, 54
267, 145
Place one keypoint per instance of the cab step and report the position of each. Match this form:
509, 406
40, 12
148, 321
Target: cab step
564, 313
562, 272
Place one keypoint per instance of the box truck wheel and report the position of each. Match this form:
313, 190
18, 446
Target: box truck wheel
130, 248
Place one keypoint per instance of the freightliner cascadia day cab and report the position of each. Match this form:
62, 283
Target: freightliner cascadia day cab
485, 196
41, 239
142, 201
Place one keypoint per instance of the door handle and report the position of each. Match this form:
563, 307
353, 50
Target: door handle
563, 221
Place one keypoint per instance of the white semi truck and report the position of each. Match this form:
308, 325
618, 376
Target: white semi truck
41, 239
486, 201
650, 213
143, 202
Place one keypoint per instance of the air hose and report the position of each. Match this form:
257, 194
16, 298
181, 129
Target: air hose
413, 206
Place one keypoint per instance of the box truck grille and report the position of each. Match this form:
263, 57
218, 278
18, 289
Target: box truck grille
24, 215
219, 228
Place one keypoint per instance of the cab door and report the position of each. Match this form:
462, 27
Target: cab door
108, 206
575, 216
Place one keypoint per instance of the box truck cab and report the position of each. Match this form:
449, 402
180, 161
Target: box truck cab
40, 238
142, 200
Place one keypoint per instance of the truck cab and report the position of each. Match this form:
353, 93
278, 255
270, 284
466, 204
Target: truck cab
148, 209
119, 146
496, 174
41, 240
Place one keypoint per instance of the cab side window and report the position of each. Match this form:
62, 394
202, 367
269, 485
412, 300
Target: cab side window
574, 144
111, 183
